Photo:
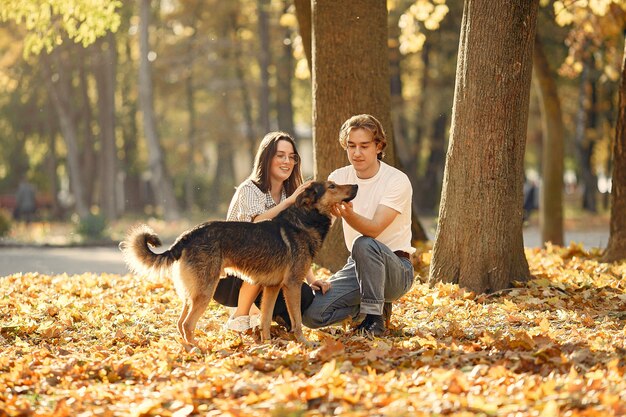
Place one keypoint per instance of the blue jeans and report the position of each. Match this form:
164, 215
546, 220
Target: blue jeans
372, 276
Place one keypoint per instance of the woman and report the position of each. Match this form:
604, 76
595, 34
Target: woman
273, 186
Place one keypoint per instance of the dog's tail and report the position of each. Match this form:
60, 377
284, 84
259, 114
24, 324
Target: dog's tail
138, 256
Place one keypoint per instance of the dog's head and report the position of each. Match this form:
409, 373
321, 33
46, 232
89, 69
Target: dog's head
324, 195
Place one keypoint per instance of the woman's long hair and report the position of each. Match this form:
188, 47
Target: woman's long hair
262, 161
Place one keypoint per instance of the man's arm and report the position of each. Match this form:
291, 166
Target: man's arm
367, 227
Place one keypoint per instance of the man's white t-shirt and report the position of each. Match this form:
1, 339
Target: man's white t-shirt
389, 187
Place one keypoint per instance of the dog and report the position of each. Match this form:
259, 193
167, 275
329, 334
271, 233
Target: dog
274, 254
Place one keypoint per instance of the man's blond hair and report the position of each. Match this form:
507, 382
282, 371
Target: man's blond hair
367, 122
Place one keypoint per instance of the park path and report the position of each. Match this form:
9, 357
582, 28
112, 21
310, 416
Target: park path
78, 260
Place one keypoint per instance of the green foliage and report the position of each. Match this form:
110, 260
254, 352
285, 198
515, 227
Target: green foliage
48, 23
92, 227
5, 222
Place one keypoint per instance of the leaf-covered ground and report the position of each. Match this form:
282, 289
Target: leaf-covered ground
106, 345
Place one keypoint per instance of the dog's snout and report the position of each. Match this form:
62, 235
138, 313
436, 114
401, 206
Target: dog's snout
353, 190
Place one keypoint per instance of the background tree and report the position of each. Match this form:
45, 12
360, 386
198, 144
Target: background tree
159, 178
551, 198
81, 21
479, 242
616, 248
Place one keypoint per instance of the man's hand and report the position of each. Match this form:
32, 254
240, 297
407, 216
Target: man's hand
344, 210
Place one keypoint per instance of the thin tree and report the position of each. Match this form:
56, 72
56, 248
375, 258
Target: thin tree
616, 248
60, 95
265, 59
551, 200
106, 82
479, 242
159, 178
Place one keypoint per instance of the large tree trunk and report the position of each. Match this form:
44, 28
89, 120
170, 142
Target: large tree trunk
350, 76
264, 64
479, 242
616, 248
106, 76
159, 179
551, 203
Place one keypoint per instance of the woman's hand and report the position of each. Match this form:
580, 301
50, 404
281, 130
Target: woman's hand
320, 285
292, 198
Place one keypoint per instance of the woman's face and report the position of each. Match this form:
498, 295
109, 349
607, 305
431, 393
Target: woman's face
283, 161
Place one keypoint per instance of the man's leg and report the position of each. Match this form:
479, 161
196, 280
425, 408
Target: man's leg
340, 301
382, 275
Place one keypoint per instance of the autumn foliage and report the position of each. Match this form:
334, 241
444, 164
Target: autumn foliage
107, 345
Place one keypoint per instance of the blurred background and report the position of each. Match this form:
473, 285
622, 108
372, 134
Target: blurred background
87, 125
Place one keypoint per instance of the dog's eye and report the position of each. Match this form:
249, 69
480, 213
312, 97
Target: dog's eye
331, 186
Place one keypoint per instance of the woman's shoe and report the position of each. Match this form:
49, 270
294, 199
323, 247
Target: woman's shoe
255, 321
237, 324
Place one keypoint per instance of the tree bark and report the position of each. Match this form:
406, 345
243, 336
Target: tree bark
350, 76
159, 178
616, 248
479, 241
106, 76
551, 198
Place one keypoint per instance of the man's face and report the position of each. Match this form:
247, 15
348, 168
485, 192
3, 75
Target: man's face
363, 152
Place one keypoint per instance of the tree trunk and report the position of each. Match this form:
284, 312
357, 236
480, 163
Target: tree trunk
479, 242
431, 183
551, 200
159, 179
264, 65
132, 182
190, 178
303, 14
284, 76
616, 248
350, 76
584, 143
89, 160
60, 98
106, 76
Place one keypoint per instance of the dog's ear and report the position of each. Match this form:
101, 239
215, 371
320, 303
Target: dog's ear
310, 195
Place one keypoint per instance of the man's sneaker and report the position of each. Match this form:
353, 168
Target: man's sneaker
387, 307
372, 325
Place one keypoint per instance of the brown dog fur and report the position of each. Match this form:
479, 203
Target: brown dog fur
274, 254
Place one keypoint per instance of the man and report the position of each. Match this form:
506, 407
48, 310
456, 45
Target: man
377, 232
